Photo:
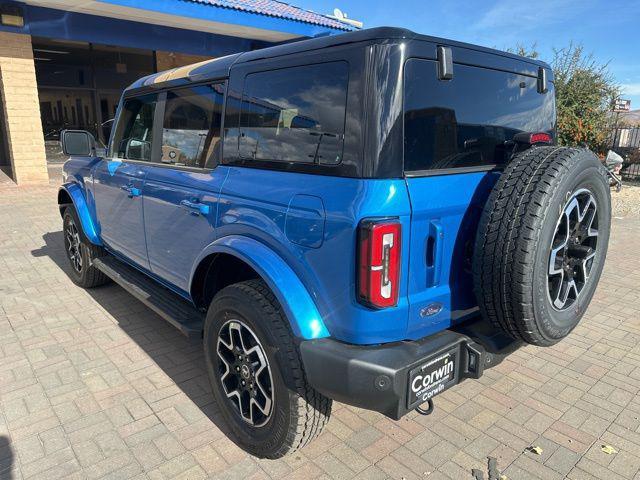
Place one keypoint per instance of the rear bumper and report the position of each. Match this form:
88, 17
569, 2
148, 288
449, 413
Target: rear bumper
377, 377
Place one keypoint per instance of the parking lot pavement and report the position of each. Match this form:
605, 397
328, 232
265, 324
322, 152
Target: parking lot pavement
93, 385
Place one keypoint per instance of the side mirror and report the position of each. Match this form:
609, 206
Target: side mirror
78, 143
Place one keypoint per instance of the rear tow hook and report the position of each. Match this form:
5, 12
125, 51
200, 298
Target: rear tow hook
425, 411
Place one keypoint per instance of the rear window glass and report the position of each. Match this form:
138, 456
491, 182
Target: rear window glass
468, 121
295, 114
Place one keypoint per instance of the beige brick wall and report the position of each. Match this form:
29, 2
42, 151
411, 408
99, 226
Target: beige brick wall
19, 96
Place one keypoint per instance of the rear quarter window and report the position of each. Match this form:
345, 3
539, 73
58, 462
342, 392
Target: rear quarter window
468, 121
295, 114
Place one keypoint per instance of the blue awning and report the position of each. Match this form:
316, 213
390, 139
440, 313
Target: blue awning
262, 20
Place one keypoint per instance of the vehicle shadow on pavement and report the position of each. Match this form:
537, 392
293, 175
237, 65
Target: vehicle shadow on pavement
181, 360
6, 459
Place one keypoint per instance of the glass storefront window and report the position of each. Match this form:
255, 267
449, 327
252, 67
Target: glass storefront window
80, 84
62, 64
117, 67
62, 109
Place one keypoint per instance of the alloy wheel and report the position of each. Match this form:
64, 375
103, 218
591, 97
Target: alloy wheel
72, 237
573, 249
245, 373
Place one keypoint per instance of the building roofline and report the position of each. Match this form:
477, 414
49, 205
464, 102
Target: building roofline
282, 10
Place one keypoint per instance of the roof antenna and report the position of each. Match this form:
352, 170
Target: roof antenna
342, 17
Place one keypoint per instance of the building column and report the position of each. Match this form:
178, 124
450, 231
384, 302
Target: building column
21, 110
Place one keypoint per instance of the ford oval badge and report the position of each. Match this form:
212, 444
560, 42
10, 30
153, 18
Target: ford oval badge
431, 309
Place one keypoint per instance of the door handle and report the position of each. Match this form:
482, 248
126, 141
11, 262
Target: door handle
195, 207
434, 253
131, 190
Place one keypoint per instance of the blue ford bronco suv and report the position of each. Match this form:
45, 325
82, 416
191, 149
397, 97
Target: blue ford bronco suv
370, 218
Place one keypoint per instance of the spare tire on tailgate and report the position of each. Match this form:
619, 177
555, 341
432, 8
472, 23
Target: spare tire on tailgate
541, 243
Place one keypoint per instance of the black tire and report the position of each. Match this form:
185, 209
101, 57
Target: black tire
83, 273
298, 412
519, 248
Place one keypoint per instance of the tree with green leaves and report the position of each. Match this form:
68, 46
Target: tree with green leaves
585, 91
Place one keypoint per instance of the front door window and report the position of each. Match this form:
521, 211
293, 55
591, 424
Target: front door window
134, 135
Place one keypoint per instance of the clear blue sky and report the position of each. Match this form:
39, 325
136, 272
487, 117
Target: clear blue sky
608, 29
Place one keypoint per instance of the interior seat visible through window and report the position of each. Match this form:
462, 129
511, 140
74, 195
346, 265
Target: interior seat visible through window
134, 134
295, 114
191, 126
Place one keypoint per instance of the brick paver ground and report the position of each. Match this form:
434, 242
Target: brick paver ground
95, 385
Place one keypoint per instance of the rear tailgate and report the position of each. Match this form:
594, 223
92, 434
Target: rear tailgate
444, 218
458, 133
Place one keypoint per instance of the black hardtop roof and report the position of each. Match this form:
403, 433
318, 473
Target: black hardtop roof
220, 67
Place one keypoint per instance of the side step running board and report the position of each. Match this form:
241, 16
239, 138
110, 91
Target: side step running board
169, 305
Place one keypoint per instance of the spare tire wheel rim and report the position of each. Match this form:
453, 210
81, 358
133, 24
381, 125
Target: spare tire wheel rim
245, 373
573, 249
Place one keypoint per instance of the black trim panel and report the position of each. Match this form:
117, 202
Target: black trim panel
453, 171
170, 306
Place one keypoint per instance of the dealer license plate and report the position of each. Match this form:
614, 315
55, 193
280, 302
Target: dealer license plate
434, 376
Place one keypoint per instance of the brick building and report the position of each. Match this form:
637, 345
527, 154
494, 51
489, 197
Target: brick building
64, 63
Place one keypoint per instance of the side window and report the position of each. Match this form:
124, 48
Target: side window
134, 134
295, 114
468, 121
191, 126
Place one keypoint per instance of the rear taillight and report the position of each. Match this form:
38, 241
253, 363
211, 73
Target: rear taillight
533, 138
379, 262
540, 138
